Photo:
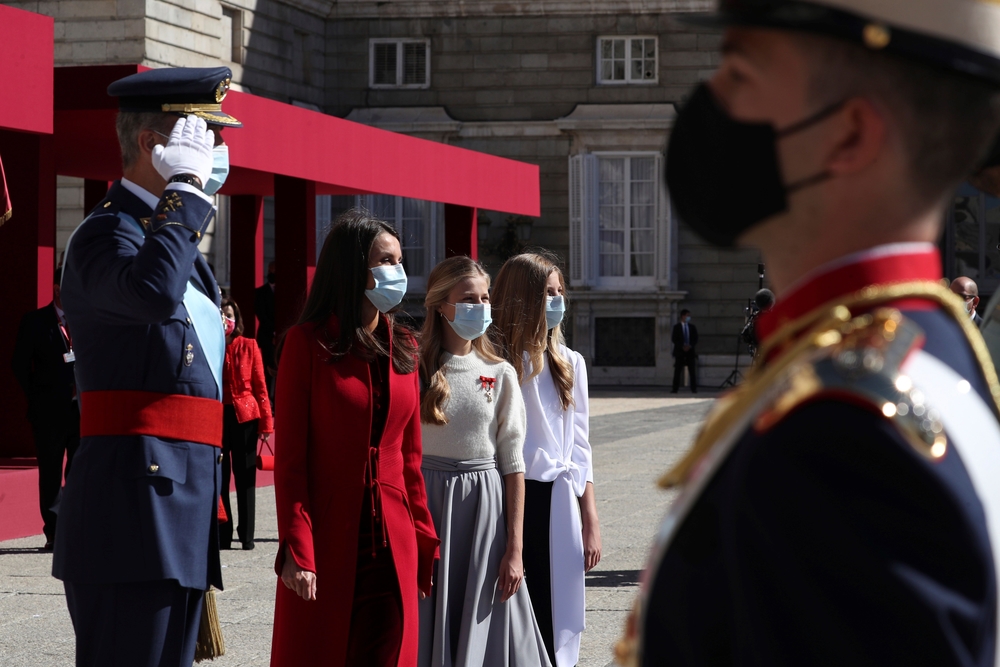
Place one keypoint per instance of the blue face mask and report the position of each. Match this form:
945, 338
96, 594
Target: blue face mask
220, 170
390, 287
471, 320
555, 307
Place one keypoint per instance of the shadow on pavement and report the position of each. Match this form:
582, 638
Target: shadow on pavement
612, 578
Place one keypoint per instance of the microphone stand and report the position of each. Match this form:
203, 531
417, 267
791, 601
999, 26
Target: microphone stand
735, 377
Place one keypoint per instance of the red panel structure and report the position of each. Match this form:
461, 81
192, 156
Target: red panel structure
246, 251
26, 70
340, 156
294, 246
64, 122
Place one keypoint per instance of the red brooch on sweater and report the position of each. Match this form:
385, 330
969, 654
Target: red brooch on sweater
488, 384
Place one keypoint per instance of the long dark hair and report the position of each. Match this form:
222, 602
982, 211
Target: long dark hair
228, 301
338, 288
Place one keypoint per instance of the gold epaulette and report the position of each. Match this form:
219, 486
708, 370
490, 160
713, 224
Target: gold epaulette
829, 349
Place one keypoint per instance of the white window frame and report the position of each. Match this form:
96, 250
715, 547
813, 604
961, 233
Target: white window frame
433, 237
399, 42
628, 80
584, 214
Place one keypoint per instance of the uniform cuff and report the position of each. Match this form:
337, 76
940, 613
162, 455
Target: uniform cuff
186, 187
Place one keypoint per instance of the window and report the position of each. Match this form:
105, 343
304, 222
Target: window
627, 60
624, 341
618, 214
399, 63
232, 35
416, 222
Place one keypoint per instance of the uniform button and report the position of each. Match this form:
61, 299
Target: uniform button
153, 468
220, 458
189, 320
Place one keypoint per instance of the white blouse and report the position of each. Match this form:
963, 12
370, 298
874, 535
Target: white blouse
557, 450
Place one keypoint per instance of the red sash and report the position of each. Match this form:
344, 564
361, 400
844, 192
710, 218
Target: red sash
173, 416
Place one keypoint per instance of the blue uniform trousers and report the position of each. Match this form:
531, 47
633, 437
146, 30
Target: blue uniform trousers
145, 624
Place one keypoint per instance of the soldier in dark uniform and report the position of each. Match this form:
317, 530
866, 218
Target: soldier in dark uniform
841, 507
137, 537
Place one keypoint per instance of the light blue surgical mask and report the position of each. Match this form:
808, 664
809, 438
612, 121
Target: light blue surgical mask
471, 320
555, 307
390, 287
220, 170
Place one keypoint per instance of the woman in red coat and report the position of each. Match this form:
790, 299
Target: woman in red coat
246, 414
357, 542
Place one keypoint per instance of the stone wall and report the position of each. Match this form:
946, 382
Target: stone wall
718, 283
515, 68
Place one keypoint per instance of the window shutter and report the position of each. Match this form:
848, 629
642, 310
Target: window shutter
662, 270
577, 231
414, 63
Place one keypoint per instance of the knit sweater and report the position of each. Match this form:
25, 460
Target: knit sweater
478, 428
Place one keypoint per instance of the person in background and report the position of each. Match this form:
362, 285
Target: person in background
969, 291
263, 306
356, 540
562, 536
479, 613
246, 414
685, 340
43, 366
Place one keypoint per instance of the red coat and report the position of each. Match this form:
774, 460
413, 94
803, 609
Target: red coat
243, 383
324, 425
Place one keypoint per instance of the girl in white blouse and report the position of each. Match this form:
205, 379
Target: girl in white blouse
562, 537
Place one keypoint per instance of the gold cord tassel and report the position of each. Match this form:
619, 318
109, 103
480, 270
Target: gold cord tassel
210, 644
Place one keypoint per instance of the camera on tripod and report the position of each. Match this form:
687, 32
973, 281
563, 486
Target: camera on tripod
762, 301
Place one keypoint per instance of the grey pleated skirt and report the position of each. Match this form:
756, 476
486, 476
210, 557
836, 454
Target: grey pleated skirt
463, 623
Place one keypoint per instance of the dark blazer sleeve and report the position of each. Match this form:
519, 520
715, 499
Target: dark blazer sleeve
134, 281
21, 363
693, 334
677, 335
853, 549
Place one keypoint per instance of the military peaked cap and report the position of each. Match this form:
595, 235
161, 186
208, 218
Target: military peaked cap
960, 35
197, 91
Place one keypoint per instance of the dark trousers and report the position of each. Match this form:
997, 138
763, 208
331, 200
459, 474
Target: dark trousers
535, 556
147, 624
690, 360
55, 438
239, 460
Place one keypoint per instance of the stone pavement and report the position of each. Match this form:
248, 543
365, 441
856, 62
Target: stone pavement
636, 434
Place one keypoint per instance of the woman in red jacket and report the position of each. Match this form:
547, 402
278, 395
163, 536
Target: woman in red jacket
246, 413
356, 540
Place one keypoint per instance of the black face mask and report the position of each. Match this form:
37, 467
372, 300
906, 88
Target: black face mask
270, 278
723, 174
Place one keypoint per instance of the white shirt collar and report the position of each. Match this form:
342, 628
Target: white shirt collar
145, 195
59, 312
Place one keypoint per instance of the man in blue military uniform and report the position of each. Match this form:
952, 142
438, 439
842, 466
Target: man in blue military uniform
137, 539
841, 507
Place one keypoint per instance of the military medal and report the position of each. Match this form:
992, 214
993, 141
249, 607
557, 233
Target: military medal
487, 384
189, 355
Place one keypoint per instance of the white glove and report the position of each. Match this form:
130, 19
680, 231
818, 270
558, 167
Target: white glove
188, 150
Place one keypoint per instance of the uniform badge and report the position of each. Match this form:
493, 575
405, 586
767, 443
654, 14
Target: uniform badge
189, 355
487, 385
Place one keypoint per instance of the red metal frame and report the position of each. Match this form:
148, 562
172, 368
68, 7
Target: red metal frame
283, 150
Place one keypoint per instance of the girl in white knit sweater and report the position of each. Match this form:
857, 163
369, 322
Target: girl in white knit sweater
473, 426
